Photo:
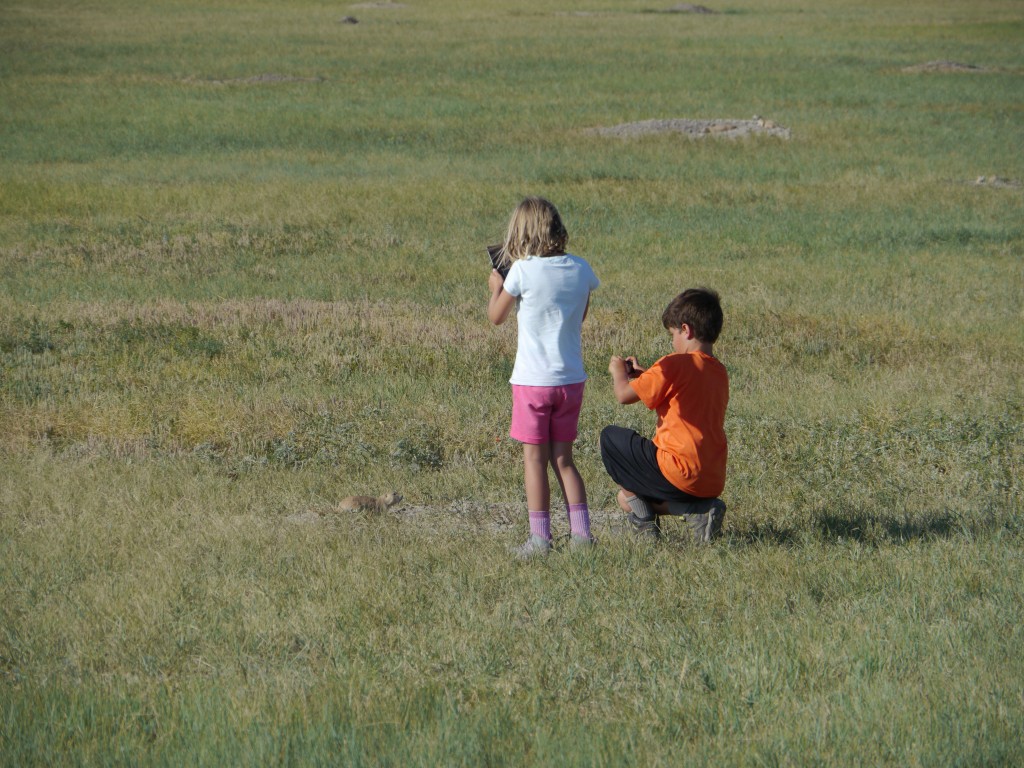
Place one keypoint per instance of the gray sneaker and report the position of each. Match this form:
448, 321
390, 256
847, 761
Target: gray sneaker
645, 529
535, 546
703, 517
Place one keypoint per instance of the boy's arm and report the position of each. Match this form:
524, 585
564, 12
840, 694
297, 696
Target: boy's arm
620, 381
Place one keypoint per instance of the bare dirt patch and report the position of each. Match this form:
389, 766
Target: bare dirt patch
678, 8
945, 66
997, 182
697, 129
506, 521
458, 515
688, 8
269, 78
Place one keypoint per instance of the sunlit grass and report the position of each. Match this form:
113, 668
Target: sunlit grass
242, 276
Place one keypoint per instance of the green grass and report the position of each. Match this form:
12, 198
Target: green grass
226, 302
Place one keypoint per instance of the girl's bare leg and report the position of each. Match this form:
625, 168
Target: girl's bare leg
535, 471
568, 476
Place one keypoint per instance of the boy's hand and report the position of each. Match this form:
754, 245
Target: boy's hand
628, 365
620, 379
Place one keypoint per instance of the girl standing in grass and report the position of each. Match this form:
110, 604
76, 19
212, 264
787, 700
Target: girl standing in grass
551, 291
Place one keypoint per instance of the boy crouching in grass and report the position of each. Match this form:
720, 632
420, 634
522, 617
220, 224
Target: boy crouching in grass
682, 470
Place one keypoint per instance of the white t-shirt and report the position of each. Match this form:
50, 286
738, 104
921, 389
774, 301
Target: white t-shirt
552, 294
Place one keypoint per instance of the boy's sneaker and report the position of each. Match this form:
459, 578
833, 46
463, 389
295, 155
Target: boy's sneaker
703, 517
535, 546
645, 529
581, 543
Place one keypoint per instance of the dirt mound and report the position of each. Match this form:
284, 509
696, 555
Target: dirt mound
944, 66
697, 129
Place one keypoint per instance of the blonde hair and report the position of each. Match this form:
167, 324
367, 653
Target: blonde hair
535, 229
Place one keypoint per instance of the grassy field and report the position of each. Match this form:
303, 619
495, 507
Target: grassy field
242, 276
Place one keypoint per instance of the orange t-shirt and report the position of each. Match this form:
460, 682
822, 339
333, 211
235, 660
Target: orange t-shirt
689, 392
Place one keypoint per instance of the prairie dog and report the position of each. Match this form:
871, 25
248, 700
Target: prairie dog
369, 503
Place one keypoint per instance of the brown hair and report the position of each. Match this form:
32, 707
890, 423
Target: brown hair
535, 229
699, 308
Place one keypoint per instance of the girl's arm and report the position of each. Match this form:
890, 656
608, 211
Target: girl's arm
501, 301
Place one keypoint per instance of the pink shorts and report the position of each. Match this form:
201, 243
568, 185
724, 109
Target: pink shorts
546, 414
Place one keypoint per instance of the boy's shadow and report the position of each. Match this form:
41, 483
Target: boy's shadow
851, 523
872, 528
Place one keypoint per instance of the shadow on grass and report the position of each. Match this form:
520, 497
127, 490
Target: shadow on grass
853, 524
765, 533
858, 525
